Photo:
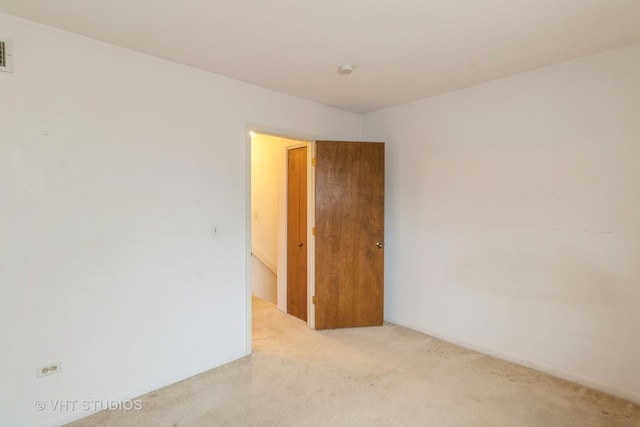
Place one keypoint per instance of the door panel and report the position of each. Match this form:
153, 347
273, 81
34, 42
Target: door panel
297, 232
349, 216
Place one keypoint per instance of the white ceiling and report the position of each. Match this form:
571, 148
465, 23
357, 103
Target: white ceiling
402, 50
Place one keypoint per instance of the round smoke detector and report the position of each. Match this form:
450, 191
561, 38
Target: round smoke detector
346, 69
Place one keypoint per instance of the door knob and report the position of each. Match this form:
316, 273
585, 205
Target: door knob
379, 245
300, 244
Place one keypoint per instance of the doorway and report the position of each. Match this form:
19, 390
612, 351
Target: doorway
346, 242
280, 178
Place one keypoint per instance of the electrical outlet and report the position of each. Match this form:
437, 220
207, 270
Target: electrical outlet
215, 230
50, 369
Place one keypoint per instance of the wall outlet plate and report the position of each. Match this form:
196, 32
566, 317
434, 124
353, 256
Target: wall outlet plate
49, 369
6, 55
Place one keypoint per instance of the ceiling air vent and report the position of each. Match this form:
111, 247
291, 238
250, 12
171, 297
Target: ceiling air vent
6, 56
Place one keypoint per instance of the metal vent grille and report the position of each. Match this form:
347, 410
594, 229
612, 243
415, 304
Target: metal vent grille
6, 56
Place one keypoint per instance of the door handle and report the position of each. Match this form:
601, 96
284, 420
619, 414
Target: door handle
380, 245
300, 244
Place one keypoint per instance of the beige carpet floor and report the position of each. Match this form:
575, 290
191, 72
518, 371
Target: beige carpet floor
386, 376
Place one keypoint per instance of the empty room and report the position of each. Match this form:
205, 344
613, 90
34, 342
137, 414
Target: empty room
452, 233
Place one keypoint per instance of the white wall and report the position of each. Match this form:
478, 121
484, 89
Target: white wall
266, 155
113, 166
513, 212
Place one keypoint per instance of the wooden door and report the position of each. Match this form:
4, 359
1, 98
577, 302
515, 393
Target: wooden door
349, 241
297, 232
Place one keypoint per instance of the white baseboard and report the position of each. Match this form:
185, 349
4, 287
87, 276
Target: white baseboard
556, 372
78, 415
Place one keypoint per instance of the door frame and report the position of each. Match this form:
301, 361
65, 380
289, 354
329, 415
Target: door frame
304, 139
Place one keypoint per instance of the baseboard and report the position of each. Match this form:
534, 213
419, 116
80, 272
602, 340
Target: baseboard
78, 415
559, 373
